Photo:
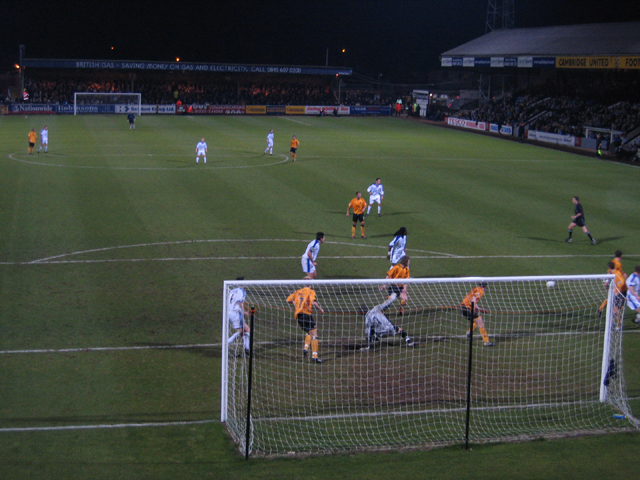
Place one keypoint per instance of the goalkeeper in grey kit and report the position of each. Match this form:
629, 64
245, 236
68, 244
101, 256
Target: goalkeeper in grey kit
377, 325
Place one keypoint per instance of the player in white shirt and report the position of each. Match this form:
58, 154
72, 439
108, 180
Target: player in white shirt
44, 139
397, 246
376, 194
310, 255
201, 150
236, 313
269, 143
633, 292
377, 325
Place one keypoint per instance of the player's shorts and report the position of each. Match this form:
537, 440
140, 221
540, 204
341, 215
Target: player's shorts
201, 152
236, 319
632, 302
31, 144
466, 313
579, 222
374, 199
306, 322
397, 256
44, 140
358, 217
293, 150
307, 265
385, 329
131, 120
397, 289
269, 144
618, 300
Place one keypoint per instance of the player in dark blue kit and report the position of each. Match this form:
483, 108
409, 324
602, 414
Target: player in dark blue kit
132, 121
579, 221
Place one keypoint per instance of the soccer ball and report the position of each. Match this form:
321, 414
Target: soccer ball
551, 284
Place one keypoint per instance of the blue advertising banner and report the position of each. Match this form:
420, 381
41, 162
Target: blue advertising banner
370, 111
276, 109
33, 108
180, 66
86, 109
548, 62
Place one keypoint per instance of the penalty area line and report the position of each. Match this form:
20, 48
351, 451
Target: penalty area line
245, 258
112, 349
107, 426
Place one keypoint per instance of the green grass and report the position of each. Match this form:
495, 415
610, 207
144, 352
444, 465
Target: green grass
139, 239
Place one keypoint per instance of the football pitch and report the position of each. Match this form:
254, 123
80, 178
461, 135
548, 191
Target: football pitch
115, 244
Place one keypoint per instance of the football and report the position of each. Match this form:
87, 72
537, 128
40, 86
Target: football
551, 284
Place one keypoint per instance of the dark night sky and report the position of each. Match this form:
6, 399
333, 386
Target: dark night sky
400, 39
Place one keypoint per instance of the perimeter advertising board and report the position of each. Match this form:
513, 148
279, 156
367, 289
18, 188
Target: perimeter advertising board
461, 122
370, 110
256, 109
32, 108
503, 129
328, 109
568, 140
216, 110
146, 109
295, 110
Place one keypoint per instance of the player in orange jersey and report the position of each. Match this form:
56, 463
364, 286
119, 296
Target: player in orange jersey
473, 297
295, 143
619, 295
304, 300
359, 205
398, 271
33, 136
617, 263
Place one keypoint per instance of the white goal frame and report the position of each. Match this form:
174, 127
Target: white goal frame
601, 406
136, 106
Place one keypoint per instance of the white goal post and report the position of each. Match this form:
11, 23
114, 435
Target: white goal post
122, 102
552, 365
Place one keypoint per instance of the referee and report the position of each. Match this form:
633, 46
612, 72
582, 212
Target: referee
578, 220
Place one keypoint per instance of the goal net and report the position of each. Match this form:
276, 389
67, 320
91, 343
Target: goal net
99, 102
554, 367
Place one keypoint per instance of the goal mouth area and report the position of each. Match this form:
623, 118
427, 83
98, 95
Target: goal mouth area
543, 360
107, 102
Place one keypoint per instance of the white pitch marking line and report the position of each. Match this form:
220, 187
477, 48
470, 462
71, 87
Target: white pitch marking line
190, 167
155, 244
433, 255
111, 349
105, 426
218, 345
297, 121
324, 257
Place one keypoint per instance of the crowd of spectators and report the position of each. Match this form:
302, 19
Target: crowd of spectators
361, 96
566, 105
213, 90
59, 87
563, 104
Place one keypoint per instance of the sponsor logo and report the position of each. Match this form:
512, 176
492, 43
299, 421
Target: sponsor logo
256, 109
32, 108
461, 122
217, 109
568, 140
328, 110
276, 109
300, 110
